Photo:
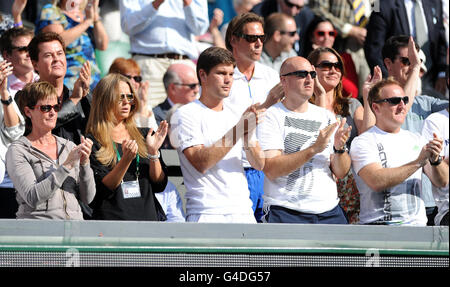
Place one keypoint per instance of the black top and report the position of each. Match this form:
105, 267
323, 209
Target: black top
111, 205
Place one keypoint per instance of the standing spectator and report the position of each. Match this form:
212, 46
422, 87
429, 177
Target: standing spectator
298, 139
14, 48
397, 17
388, 162
162, 33
253, 83
281, 34
48, 55
80, 26
181, 85
126, 160
294, 8
437, 123
145, 117
49, 173
210, 154
350, 19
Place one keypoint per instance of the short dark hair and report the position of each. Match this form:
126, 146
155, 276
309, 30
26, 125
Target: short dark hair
393, 44
275, 22
236, 26
43, 37
9, 35
212, 57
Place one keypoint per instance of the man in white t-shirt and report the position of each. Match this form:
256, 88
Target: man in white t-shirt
388, 162
210, 140
253, 83
298, 139
437, 123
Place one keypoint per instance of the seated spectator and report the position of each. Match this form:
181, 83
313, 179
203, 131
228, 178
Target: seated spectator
48, 55
126, 160
145, 118
298, 139
281, 34
328, 93
240, 7
50, 174
79, 25
14, 48
388, 161
321, 33
210, 156
438, 123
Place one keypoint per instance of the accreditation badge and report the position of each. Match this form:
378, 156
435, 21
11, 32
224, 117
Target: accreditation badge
130, 189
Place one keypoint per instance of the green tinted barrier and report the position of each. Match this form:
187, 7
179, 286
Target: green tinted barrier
115, 50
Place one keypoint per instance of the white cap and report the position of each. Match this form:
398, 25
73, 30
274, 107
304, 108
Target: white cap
423, 59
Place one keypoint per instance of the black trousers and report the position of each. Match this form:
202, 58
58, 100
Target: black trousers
8, 203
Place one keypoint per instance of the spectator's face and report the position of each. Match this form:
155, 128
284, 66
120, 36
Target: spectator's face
245, 50
291, 7
295, 86
324, 35
51, 62
218, 82
329, 75
397, 68
387, 115
125, 101
287, 40
43, 120
19, 57
186, 91
135, 78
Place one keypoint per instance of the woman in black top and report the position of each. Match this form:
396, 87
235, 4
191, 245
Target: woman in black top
126, 160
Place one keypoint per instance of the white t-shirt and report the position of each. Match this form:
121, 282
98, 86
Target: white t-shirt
245, 93
171, 203
311, 188
400, 204
223, 188
438, 123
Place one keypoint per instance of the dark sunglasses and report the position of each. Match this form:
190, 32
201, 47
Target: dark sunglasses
20, 49
325, 65
405, 61
290, 5
137, 79
129, 97
191, 86
47, 108
290, 33
252, 38
301, 74
394, 100
323, 33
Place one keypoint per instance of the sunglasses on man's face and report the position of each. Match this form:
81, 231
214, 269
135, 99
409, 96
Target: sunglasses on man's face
47, 108
323, 33
191, 86
301, 74
290, 33
252, 38
291, 5
394, 100
326, 66
129, 97
20, 48
137, 79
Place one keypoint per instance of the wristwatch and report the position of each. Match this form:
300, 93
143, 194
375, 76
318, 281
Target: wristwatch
8, 101
154, 157
343, 150
437, 162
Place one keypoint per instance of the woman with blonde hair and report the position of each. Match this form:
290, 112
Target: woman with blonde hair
126, 160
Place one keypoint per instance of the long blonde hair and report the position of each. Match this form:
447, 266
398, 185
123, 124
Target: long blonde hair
101, 118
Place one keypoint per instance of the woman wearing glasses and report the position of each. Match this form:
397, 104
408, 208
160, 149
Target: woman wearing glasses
328, 94
125, 159
50, 174
322, 33
145, 117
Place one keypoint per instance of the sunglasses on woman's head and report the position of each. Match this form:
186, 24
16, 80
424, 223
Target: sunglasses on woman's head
137, 79
301, 74
47, 108
252, 38
323, 33
394, 100
325, 65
